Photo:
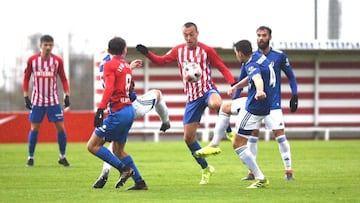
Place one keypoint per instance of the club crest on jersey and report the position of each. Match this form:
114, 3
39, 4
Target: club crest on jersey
251, 69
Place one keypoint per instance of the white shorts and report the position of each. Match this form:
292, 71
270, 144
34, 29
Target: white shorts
248, 122
237, 104
275, 120
144, 104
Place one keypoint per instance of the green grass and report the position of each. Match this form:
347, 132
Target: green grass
324, 172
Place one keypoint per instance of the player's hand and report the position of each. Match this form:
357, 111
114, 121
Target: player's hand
260, 95
231, 91
28, 103
294, 103
137, 63
142, 49
66, 101
99, 116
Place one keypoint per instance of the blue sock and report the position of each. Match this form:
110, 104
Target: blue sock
105, 154
193, 148
61, 138
32, 140
128, 161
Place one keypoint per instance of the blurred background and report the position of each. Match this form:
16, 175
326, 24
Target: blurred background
319, 36
82, 30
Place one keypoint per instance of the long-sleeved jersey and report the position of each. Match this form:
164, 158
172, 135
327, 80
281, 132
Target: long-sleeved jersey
280, 63
117, 77
132, 93
259, 64
203, 55
45, 73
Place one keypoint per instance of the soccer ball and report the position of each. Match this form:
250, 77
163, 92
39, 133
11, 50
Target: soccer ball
192, 72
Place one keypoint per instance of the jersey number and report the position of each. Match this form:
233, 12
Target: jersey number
272, 81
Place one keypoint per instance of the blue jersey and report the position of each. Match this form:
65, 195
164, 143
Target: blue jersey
259, 64
280, 63
132, 93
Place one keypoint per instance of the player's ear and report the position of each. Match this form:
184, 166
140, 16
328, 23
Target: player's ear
124, 52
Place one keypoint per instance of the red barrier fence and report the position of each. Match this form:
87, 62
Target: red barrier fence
15, 127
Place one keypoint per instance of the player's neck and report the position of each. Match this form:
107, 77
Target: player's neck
45, 55
266, 50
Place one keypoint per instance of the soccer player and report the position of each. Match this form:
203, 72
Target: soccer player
45, 67
261, 82
115, 128
199, 94
142, 105
274, 120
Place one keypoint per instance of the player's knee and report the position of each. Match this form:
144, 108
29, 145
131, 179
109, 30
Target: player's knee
90, 148
157, 93
226, 107
278, 132
255, 133
215, 105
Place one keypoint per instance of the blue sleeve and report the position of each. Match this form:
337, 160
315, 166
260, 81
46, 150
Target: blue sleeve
101, 68
242, 75
132, 95
287, 68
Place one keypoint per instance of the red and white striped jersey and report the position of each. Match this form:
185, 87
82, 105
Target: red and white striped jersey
203, 55
45, 72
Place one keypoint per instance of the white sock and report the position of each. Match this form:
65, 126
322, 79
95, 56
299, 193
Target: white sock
248, 159
252, 144
162, 109
284, 149
221, 124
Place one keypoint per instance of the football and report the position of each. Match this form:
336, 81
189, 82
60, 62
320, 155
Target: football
192, 72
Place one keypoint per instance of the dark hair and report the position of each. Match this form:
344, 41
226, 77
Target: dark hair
244, 46
264, 28
116, 46
46, 38
189, 24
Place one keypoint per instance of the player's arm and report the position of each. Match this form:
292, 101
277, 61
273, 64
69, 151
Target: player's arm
287, 68
63, 78
160, 60
109, 77
65, 84
256, 78
26, 79
239, 85
242, 75
259, 85
137, 63
219, 64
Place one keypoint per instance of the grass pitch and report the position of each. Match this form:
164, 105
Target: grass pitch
324, 172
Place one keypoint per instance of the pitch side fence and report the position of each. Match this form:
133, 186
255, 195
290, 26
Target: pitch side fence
329, 96
329, 101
